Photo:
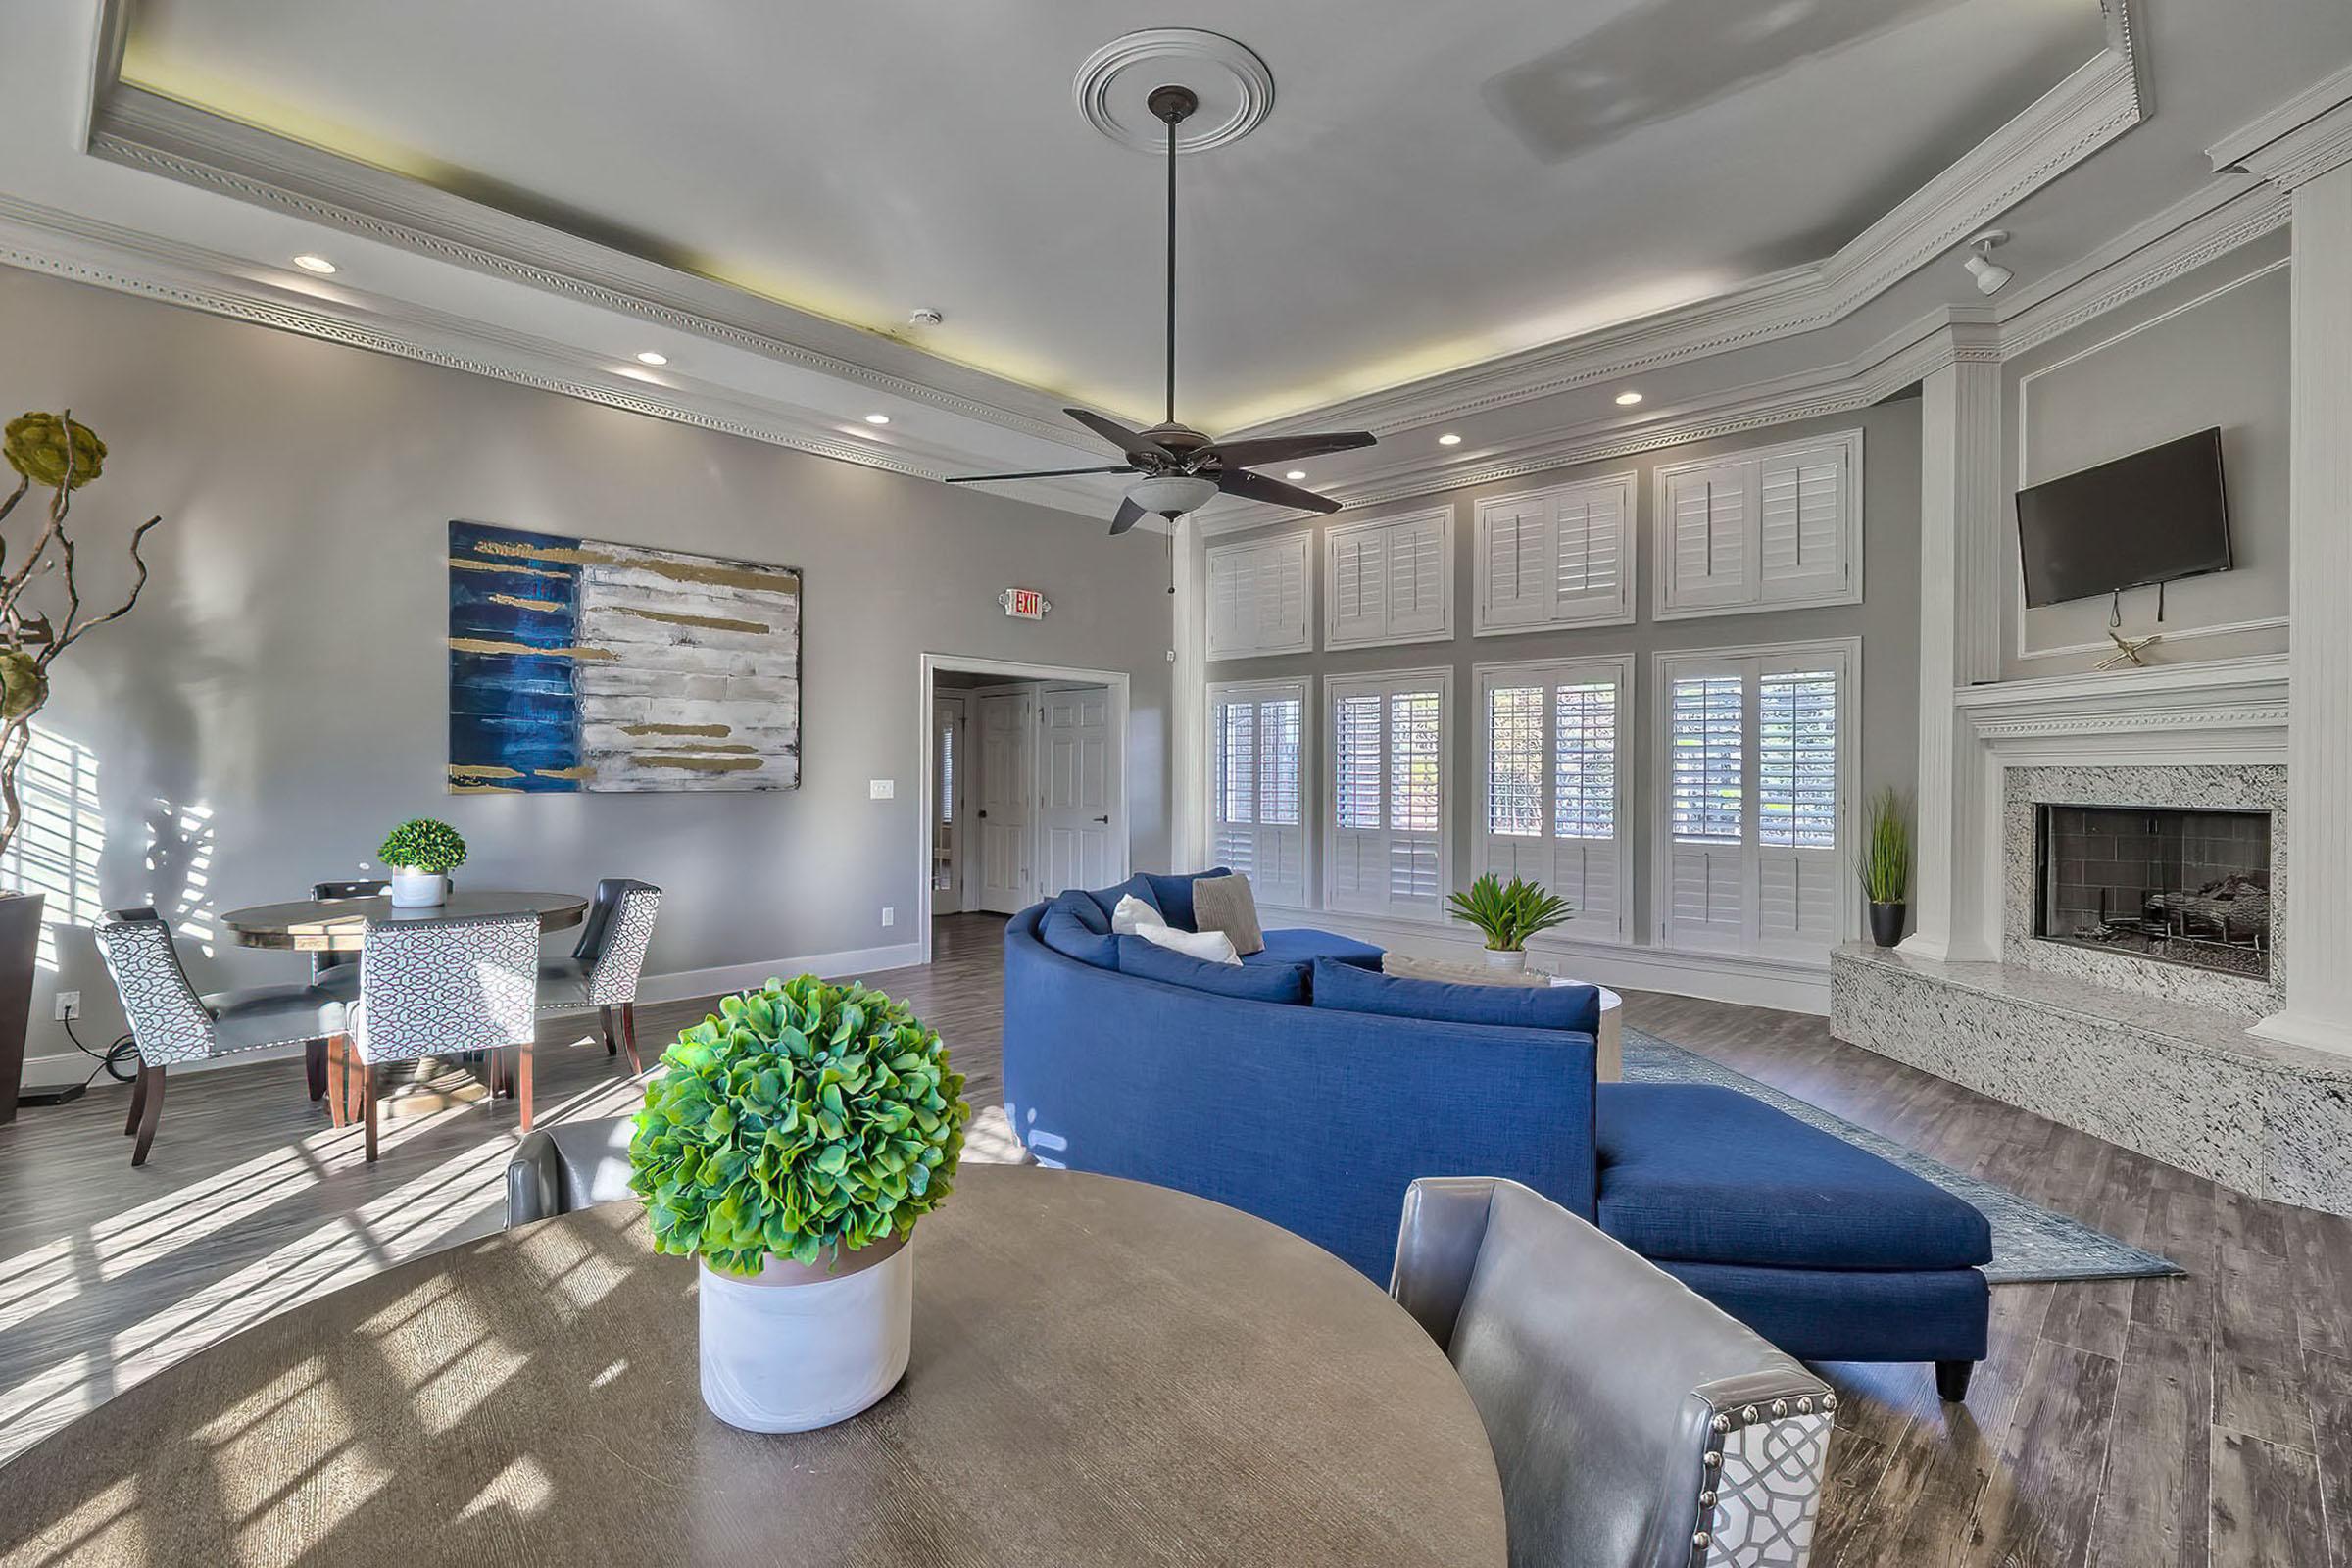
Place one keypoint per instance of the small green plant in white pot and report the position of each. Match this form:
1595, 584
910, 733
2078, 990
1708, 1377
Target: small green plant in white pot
790, 1143
1886, 865
1506, 914
420, 855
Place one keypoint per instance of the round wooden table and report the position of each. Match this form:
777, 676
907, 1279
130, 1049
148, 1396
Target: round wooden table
1102, 1372
333, 925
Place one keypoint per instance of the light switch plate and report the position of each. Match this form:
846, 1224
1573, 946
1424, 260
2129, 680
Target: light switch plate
882, 789
890, 916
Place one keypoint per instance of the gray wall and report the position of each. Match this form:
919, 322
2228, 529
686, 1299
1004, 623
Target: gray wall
1886, 621
279, 698
2209, 349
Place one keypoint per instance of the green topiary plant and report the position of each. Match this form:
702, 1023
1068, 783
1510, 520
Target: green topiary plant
1886, 848
423, 844
800, 1120
1509, 916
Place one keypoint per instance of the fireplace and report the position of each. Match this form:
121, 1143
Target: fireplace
2176, 886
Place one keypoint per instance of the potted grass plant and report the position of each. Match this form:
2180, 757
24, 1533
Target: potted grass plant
790, 1143
1886, 865
1506, 914
419, 855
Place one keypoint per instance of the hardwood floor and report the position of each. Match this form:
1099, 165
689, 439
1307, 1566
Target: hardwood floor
2116, 1424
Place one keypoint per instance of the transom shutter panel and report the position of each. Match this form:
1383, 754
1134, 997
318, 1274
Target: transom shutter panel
1281, 599
1519, 547
1803, 532
1588, 569
1230, 603
1706, 894
1359, 586
1257, 599
1708, 523
1416, 578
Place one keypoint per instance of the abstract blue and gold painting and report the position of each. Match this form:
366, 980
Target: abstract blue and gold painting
579, 666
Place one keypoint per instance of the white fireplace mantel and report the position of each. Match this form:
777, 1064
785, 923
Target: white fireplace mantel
2229, 710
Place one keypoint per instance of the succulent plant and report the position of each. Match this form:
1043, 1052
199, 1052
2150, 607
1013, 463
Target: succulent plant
1508, 916
423, 844
799, 1119
35, 444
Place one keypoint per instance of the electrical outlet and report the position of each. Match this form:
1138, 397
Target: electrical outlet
69, 1006
882, 789
890, 918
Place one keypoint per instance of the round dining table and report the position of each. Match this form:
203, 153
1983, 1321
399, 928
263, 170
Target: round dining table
1102, 1373
336, 925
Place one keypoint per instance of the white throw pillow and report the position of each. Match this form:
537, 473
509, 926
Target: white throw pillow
1209, 947
1132, 915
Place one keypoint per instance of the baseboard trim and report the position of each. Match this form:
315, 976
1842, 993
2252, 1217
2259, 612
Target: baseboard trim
1788, 987
71, 1066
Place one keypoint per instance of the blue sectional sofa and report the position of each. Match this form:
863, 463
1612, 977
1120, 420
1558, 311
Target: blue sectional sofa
1315, 1108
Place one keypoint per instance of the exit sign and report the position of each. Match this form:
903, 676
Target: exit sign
1027, 604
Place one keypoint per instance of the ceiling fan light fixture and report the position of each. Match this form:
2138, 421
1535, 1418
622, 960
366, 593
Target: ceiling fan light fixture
1172, 495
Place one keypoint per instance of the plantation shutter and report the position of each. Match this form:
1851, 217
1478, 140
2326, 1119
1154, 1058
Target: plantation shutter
1360, 846
1548, 747
1257, 599
1257, 826
1517, 551
1706, 876
1234, 808
1586, 852
1386, 842
1359, 587
1588, 569
1800, 881
1706, 535
1390, 580
1804, 533
1416, 578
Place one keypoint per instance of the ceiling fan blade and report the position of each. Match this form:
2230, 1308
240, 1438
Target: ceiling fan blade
1128, 515
1134, 443
1034, 473
1257, 487
1284, 448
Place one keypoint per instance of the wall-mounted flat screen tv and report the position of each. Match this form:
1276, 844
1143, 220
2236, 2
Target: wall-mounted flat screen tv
2151, 517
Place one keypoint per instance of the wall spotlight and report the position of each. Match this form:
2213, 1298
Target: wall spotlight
1990, 275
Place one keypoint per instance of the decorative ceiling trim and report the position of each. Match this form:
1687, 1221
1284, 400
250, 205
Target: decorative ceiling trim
2254, 147
2097, 103
84, 249
1190, 58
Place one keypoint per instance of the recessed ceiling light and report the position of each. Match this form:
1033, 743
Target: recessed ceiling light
314, 264
1626, 400
1450, 439
877, 419
649, 357
1295, 473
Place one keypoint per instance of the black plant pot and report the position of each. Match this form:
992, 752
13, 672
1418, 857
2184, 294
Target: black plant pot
1886, 922
19, 945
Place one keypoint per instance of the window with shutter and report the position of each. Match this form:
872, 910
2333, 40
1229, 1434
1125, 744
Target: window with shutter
1390, 580
1385, 852
1753, 854
1773, 529
1256, 778
1257, 598
1561, 557
1548, 753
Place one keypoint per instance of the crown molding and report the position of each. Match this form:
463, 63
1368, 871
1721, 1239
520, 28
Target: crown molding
83, 250
2303, 138
2100, 101
2219, 694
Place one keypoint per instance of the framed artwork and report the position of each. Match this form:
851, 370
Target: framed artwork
580, 665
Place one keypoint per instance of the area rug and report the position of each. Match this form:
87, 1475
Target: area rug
2029, 1241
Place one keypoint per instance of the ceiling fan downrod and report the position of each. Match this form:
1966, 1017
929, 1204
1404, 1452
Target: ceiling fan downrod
1174, 105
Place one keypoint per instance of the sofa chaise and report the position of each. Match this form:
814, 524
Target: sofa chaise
1304, 1087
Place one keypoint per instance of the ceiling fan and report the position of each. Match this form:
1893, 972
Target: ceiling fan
1182, 468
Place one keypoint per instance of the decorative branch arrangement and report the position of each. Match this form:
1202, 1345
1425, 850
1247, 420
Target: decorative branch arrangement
51, 451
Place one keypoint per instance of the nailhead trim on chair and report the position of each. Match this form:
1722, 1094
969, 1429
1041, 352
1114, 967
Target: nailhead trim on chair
1707, 1547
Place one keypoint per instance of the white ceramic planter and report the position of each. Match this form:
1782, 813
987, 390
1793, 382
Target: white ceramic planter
1511, 962
417, 890
795, 1348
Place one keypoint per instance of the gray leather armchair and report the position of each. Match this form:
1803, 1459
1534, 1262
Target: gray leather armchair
1636, 1424
574, 1164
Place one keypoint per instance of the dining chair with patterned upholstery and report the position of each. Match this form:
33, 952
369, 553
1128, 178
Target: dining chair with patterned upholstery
603, 969
1637, 1425
337, 973
172, 1024
573, 1164
438, 988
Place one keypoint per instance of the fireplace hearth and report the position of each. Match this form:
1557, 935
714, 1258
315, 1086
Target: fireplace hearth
2176, 886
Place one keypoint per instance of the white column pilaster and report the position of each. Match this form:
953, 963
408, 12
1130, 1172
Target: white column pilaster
1954, 912
1188, 703
2317, 940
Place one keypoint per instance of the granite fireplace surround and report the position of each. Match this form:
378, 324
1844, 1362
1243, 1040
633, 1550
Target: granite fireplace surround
2148, 1054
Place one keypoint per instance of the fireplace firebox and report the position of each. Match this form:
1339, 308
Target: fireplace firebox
2189, 887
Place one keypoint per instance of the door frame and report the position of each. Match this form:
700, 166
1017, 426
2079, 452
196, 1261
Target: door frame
1011, 671
960, 724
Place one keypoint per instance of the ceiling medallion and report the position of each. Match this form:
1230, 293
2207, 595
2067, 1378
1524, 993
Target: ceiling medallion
1234, 88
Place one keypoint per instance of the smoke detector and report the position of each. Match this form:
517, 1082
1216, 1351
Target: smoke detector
923, 316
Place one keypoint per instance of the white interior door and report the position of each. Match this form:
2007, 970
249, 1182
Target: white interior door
951, 781
1078, 789
1004, 819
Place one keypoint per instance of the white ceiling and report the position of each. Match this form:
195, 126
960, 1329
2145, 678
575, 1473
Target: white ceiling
1436, 184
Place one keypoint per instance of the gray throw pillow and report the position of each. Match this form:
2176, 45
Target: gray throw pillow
1226, 904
